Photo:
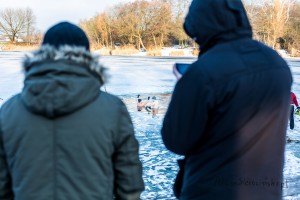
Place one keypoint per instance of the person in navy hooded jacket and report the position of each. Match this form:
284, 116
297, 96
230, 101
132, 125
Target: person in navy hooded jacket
229, 111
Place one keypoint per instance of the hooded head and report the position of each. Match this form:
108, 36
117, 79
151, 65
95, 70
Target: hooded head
211, 21
65, 33
62, 75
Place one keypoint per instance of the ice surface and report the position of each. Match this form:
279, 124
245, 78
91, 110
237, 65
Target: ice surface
149, 76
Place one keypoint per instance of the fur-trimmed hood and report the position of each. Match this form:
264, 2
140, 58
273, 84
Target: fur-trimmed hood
60, 81
78, 55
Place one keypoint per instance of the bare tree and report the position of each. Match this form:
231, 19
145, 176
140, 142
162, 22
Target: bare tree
180, 9
292, 36
31, 33
16, 23
104, 26
131, 22
90, 27
159, 23
269, 19
281, 17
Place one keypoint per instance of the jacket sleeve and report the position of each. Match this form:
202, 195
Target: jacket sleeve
294, 98
127, 166
5, 179
187, 114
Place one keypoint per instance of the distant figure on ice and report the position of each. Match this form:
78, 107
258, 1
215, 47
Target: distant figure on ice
141, 104
63, 138
294, 103
228, 112
154, 106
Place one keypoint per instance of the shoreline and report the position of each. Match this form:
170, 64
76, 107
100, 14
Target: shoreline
141, 54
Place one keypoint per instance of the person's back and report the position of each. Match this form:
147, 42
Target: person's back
141, 104
228, 114
63, 138
294, 102
154, 106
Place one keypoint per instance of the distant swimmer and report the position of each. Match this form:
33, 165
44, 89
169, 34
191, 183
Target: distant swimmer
141, 104
154, 106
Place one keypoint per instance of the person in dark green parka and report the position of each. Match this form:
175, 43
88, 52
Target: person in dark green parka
63, 138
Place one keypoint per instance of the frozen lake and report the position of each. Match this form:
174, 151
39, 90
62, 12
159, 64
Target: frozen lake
149, 76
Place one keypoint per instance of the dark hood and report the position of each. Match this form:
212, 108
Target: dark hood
60, 81
211, 21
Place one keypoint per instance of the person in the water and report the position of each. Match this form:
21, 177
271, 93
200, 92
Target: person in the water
141, 104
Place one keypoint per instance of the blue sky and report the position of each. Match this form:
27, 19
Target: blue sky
51, 12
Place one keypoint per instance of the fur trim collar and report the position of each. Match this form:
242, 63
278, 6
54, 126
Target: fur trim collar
78, 55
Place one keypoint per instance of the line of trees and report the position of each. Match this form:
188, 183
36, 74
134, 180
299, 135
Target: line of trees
17, 24
142, 24
152, 24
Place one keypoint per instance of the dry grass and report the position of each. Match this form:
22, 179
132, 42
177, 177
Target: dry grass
195, 52
177, 53
154, 52
295, 52
19, 47
103, 51
126, 50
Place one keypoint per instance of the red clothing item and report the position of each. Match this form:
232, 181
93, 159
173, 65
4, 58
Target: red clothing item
294, 99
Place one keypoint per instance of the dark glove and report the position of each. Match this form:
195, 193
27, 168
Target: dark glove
149, 98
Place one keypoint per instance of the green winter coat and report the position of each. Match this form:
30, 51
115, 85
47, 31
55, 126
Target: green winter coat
64, 139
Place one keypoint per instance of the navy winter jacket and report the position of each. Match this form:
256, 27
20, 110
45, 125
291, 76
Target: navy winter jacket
228, 114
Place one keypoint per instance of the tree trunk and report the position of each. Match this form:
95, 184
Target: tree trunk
141, 42
154, 40
162, 40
